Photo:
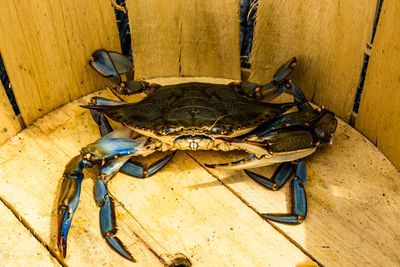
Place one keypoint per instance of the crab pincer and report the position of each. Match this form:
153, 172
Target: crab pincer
112, 152
69, 199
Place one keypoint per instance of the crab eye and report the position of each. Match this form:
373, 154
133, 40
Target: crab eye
216, 130
167, 130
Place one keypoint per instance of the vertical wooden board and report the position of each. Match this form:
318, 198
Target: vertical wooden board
18, 246
45, 46
185, 38
379, 114
155, 34
8, 121
327, 37
210, 38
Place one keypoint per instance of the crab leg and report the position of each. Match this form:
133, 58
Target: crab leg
111, 151
278, 179
98, 117
69, 198
107, 210
299, 200
139, 171
271, 90
112, 65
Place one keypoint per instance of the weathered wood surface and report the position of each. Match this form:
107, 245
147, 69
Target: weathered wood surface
210, 216
18, 246
379, 114
8, 121
185, 38
327, 37
45, 46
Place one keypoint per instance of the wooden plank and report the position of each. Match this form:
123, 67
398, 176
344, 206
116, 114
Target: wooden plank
8, 121
45, 46
18, 246
352, 191
210, 38
328, 38
33, 189
220, 231
379, 114
186, 38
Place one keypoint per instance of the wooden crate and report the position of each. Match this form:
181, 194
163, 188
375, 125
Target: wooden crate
210, 216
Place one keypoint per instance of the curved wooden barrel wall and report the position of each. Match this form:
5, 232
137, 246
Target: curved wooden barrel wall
45, 46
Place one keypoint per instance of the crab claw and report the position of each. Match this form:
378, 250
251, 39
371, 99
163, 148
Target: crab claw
69, 199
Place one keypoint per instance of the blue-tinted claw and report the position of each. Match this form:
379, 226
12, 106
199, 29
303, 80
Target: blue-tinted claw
117, 245
284, 218
110, 65
102, 63
69, 199
284, 70
107, 220
139, 171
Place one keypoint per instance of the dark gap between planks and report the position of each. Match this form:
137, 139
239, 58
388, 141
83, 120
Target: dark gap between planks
361, 81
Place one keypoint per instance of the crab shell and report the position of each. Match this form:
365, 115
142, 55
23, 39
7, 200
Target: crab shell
192, 115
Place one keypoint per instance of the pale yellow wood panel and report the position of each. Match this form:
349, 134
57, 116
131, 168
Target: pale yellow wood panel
46, 45
8, 121
210, 226
185, 38
18, 246
327, 37
33, 190
155, 34
210, 38
352, 194
379, 114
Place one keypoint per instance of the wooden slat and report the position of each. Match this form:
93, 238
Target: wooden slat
204, 213
185, 38
170, 213
8, 121
327, 37
32, 164
379, 113
18, 246
45, 46
352, 191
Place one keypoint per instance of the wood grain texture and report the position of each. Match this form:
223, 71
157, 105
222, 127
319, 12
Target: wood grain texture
18, 246
327, 37
185, 38
352, 195
8, 121
170, 213
209, 215
40, 159
379, 113
45, 46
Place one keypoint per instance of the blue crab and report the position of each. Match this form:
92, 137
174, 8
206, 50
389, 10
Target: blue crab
194, 116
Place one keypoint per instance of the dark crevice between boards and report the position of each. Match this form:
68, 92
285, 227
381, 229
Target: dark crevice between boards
121, 14
248, 10
10, 94
32, 231
367, 53
7, 86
